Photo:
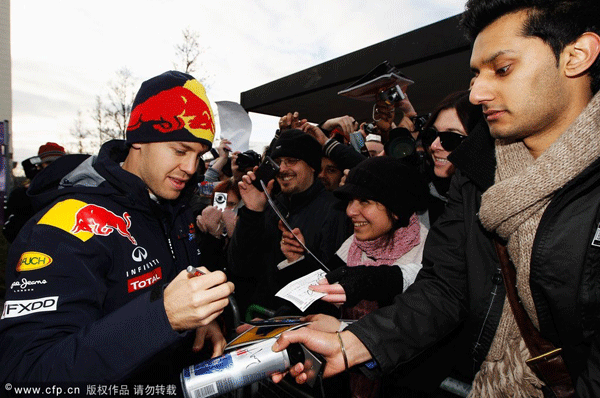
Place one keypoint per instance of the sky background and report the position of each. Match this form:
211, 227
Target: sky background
67, 52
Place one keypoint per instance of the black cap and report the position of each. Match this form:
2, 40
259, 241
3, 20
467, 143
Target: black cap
387, 180
300, 145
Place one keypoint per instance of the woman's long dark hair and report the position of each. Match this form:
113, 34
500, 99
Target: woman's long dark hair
468, 114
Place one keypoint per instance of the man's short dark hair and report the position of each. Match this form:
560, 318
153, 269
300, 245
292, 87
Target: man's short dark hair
557, 22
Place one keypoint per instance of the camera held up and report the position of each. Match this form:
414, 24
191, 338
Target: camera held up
392, 95
248, 159
400, 144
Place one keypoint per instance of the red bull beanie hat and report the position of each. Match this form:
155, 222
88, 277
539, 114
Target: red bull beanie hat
50, 151
171, 107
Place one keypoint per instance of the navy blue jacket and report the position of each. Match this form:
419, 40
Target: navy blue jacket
85, 277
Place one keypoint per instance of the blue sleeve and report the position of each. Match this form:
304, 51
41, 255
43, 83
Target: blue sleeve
211, 175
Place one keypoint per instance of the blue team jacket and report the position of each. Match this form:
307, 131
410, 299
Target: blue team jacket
85, 278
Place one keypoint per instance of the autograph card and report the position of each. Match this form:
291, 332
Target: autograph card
259, 333
298, 293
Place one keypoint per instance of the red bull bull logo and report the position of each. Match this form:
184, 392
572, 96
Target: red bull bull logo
182, 107
100, 221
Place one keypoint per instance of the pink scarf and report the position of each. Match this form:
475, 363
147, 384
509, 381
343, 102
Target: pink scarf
382, 251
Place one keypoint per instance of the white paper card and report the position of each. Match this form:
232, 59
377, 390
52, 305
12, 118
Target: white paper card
298, 293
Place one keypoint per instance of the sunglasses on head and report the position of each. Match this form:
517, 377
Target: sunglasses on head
449, 139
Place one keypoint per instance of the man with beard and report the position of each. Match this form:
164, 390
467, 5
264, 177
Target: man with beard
313, 212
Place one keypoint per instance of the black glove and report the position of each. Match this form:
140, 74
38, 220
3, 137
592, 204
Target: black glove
379, 284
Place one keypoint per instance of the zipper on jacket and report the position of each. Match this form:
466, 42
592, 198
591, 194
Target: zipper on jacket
477, 345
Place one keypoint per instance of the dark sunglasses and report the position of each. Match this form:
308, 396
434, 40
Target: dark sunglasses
449, 139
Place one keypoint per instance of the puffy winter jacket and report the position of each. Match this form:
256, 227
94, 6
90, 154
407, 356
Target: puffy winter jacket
85, 279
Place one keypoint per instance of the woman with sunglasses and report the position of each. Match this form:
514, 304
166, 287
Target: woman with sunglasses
449, 124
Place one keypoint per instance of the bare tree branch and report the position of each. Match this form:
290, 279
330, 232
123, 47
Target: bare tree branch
81, 135
120, 99
188, 58
110, 117
99, 116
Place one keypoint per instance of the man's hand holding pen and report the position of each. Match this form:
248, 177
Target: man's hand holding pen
193, 301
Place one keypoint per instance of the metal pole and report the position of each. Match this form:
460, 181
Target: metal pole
8, 157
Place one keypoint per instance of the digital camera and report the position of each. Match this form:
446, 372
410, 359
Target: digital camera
265, 173
400, 144
220, 200
420, 120
370, 128
248, 159
392, 95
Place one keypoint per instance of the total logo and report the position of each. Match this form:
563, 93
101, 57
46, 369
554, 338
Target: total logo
144, 281
17, 308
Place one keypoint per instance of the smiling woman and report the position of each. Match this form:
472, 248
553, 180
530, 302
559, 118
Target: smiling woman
383, 256
449, 124
383, 197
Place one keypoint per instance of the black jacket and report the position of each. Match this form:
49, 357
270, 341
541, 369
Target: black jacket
85, 281
460, 282
254, 250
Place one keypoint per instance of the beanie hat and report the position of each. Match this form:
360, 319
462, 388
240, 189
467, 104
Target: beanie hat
50, 151
389, 181
171, 107
300, 145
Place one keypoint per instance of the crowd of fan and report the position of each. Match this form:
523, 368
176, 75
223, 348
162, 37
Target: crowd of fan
361, 212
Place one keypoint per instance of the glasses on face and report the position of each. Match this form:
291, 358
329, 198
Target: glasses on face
449, 139
289, 162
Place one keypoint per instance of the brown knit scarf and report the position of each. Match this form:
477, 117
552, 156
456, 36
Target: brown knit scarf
513, 207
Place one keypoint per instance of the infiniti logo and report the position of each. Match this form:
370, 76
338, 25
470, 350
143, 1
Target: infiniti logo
139, 254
